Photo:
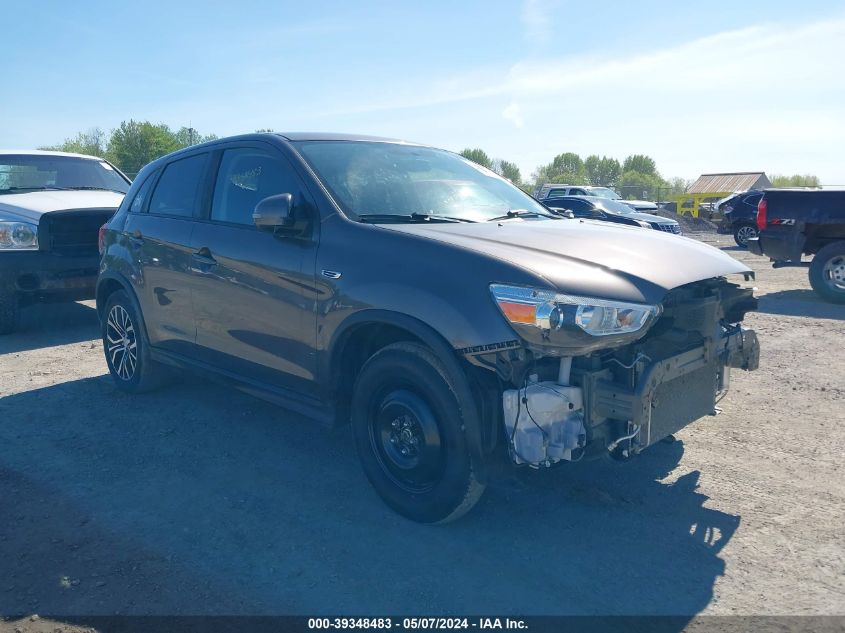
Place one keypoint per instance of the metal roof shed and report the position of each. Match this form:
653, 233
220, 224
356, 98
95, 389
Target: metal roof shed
734, 182
716, 186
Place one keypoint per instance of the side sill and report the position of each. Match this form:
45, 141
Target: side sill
320, 411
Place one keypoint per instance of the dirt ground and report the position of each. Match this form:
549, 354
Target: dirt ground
201, 500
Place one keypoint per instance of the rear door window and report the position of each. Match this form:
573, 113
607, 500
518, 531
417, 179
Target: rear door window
178, 188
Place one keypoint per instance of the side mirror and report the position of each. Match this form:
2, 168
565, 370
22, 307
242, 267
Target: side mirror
274, 212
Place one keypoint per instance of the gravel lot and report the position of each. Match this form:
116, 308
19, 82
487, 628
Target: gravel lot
200, 500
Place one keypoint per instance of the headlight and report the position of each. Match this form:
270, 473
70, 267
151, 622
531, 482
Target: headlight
18, 236
548, 310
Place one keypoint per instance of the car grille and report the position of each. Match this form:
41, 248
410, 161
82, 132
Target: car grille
669, 228
72, 233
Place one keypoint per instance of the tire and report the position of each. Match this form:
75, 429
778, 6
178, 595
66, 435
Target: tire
126, 348
9, 311
827, 272
743, 233
404, 399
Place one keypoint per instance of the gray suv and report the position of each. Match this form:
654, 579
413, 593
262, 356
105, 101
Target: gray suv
447, 315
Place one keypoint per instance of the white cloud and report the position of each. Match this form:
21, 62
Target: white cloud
763, 97
536, 20
513, 113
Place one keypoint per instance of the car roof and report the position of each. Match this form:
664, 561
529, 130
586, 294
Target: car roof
287, 136
41, 152
332, 136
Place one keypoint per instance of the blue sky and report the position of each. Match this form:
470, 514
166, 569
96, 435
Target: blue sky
702, 87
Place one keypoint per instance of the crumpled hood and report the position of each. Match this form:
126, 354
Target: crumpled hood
31, 206
590, 257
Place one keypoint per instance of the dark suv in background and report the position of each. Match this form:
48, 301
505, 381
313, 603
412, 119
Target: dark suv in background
740, 216
445, 313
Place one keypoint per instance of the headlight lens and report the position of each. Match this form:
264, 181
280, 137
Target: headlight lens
549, 310
18, 236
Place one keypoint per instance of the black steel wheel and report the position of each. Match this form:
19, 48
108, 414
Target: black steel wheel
406, 439
408, 429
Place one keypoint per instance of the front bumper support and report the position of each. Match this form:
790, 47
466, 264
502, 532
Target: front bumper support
673, 392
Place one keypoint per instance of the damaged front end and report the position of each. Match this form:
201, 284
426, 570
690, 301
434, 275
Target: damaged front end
593, 376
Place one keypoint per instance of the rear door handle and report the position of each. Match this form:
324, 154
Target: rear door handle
203, 257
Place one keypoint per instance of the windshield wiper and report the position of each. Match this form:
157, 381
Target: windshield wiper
89, 188
47, 188
412, 217
522, 213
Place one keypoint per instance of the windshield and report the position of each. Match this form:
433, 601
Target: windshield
22, 173
405, 181
604, 192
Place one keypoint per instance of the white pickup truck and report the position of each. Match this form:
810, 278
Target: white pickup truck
52, 205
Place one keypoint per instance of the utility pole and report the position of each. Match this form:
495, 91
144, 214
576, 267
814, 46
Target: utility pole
191, 135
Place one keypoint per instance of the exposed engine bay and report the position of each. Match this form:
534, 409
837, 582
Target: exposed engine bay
623, 399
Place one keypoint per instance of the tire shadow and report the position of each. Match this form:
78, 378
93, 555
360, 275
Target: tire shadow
198, 499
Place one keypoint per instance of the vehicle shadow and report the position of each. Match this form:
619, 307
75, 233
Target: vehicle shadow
49, 324
802, 303
200, 500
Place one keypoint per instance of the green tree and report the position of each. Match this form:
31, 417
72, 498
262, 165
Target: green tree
93, 143
678, 185
263, 130
478, 156
565, 168
602, 172
187, 136
634, 185
507, 170
135, 143
796, 180
640, 163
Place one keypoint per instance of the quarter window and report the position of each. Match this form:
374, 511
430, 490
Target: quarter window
142, 194
178, 187
247, 176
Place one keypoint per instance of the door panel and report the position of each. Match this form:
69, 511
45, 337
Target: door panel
161, 247
254, 306
159, 234
253, 292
